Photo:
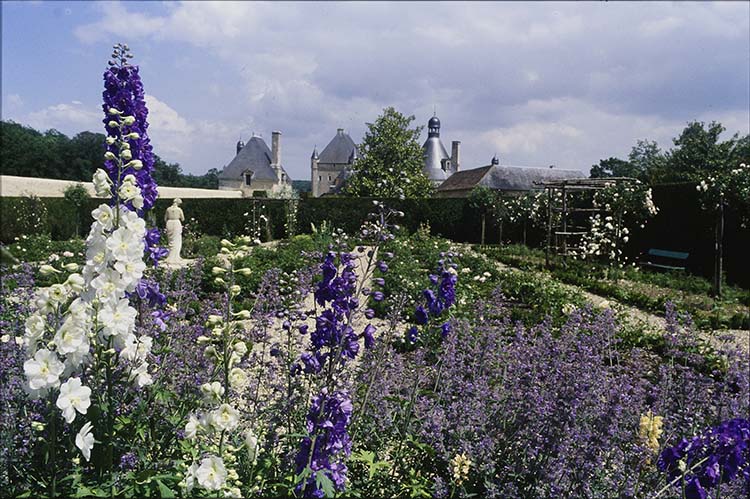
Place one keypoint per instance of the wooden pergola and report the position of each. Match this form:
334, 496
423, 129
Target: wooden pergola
558, 233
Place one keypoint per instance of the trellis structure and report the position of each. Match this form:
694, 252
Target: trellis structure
559, 229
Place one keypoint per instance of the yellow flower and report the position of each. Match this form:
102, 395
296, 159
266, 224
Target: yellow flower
649, 431
460, 465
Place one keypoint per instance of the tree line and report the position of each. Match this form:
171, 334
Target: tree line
28, 152
698, 151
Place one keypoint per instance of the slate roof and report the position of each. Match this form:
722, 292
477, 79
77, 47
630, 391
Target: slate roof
464, 179
338, 150
256, 157
505, 178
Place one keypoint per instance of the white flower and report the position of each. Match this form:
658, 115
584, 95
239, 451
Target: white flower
75, 282
35, 326
126, 154
237, 378
137, 349
58, 293
225, 417
212, 392
192, 427
211, 474
85, 440
107, 286
73, 397
190, 477
104, 215
71, 336
141, 375
137, 202
101, 183
129, 191
240, 347
117, 318
251, 443
125, 244
128, 120
136, 164
43, 370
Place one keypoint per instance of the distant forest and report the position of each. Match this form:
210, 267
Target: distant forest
27, 152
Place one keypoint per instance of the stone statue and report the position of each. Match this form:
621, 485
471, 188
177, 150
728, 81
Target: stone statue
174, 218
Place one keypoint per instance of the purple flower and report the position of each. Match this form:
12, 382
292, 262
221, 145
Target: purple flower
716, 456
123, 91
368, 334
328, 442
420, 315
412, 334
445, 329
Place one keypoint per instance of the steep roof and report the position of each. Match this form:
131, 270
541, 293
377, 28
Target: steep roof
464, 179
505, 178
256, 157
339, 149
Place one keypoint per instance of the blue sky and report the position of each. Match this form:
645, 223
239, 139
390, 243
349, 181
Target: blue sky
535, 83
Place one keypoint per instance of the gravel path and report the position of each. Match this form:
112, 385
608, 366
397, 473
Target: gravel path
636, 316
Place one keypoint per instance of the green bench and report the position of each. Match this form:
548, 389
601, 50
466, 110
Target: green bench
664, 259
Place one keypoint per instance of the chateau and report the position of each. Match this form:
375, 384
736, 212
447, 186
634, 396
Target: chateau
332, 167
255, 167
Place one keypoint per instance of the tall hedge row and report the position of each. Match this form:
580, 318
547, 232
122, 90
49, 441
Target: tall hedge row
680, 225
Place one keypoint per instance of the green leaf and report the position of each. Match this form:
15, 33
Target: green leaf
324, 483
164, 490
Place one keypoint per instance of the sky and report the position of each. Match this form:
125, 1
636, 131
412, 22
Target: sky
536, 83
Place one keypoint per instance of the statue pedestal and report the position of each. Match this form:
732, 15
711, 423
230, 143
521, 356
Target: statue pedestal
182, 263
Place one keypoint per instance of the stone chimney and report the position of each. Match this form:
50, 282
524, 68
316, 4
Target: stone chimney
456, 155
276, 153
276, 148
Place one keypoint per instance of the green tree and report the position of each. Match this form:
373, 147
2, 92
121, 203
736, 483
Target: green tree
390, 162
84, 155
77, 195
699, 152
611, 167
645, 160
482, 198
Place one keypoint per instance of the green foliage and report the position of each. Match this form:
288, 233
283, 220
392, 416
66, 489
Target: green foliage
29, 153
77, 195
698, 152
390, 162
482, 198
612, 167
639, 288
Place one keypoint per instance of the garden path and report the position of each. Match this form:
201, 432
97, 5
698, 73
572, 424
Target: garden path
635, 316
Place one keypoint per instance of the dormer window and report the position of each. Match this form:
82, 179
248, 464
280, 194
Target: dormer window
248, 178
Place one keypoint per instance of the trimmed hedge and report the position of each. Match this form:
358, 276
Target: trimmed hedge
680, 225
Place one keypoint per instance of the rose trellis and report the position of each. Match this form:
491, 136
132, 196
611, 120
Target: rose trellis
615, 206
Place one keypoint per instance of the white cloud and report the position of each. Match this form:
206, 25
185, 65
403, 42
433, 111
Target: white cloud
118, 22
69, 118
540, 83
